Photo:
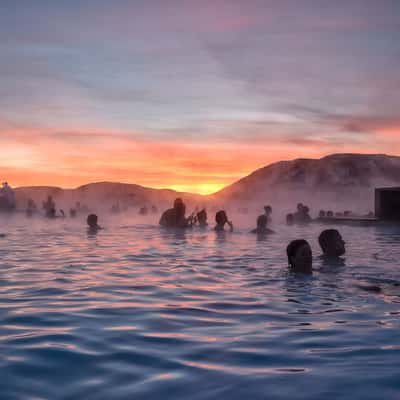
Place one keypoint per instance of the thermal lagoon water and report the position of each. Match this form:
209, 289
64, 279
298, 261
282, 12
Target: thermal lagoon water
136, 312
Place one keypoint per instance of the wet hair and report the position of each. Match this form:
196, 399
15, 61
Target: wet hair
326, 237
221, 217
262, 221
292, 248
91, 220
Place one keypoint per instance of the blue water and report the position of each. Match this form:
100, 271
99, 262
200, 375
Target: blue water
138, 313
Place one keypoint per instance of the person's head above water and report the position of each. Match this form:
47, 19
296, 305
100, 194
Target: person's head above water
300, 207
299, 256
268, 210
221, 218
92, 221
202, 217
179, 207
332, 243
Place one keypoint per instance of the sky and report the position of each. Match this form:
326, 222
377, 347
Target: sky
192, 95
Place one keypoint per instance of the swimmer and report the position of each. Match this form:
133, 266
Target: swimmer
262, 229
175, 217
299, 256
49, 207
92, 222
31, 208
268, 212
332, 243
221, 219
201, 217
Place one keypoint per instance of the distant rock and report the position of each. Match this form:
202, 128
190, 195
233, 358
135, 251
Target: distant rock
338, 181
104, 195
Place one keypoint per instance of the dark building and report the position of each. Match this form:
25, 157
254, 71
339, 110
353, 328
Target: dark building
387, 203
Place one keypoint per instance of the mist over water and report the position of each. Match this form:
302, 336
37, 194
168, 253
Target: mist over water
140, 312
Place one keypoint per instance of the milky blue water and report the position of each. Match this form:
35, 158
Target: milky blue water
135, 312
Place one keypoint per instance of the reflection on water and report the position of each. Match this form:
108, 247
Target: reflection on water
142, 312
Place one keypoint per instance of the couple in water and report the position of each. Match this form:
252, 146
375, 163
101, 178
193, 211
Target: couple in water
301, 216
175, 218
299, 251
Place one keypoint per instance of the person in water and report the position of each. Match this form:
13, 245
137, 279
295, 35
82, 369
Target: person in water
262, 229
221, 219
268, 213
31, 208
201, 217
332, 243
7, 197
289, 219
299, 256
302, 215
49, 207
175, 217
92, 223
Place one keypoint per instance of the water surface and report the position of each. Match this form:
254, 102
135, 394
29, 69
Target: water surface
138, 312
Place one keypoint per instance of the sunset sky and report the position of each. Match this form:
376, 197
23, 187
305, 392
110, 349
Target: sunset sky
192, 95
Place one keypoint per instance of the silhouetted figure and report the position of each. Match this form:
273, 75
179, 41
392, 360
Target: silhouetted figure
7, 198
262, 229
49, 207
299, 256
31, 208
72, 212
268, 213
289, 219
175, 217
332, 243
322, 214
221, 219
201, 217
62, 213
329, 214
92, 223
302, 215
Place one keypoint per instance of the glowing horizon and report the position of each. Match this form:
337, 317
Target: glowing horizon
194, 96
